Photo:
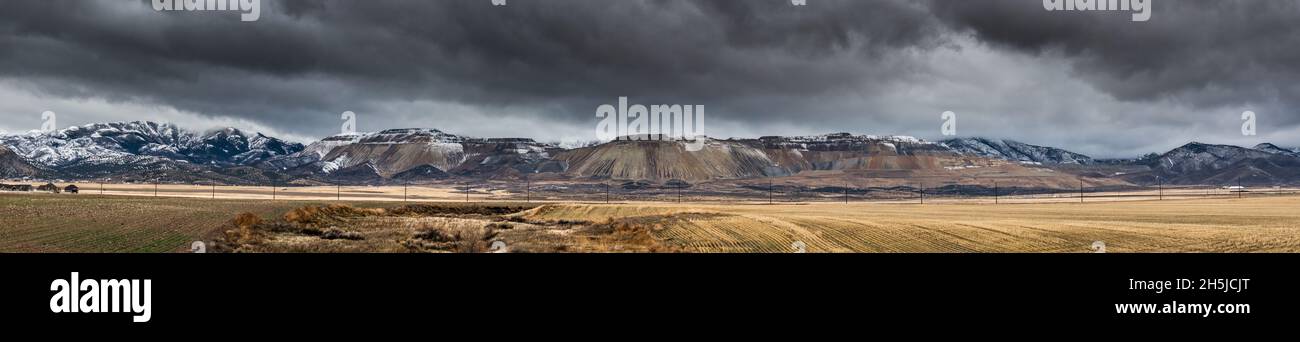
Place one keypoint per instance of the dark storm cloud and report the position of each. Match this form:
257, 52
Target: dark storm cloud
760, 66
306, 57
1204, 52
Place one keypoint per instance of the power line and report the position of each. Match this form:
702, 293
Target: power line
846, 193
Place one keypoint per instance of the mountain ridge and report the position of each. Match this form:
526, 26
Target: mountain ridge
151, 150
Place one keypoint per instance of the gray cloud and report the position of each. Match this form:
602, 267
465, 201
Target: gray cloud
1008, 68
1202, 52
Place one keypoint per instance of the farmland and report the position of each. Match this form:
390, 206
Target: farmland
81, 223
1228, 225
92, 223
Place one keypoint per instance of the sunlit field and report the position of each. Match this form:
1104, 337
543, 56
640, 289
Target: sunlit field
1182, 222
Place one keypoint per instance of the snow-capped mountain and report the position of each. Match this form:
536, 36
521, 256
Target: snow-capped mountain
1199, 163
1274, 149
149, 151
1196, 157
233, 146
412, 154
106, 148
1015, 151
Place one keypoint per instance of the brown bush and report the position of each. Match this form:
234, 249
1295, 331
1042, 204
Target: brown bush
335, 234
463, 238
247, 220
454, 210
435, 235
311, 215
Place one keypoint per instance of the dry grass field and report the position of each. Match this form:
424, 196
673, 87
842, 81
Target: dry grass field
39, 223
1217, 225
88, 223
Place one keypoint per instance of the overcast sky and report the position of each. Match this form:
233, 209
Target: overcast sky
1093, 82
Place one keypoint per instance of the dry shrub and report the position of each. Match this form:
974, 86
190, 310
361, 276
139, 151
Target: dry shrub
247, 220
628, 234
435, 235
336, 234
456, 210
460, 238
475, 239
245, 231
314, 215
500, 226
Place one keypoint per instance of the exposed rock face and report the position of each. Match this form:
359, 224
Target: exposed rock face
667, 160
397, 151
762, 157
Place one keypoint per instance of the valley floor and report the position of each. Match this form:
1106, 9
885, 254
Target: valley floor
93, 223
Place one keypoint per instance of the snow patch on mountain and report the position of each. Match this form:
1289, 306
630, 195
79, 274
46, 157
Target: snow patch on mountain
121, 142
1014, 151
1274, 149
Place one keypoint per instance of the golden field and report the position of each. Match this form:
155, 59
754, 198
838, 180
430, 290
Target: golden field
1210, 225
92, 223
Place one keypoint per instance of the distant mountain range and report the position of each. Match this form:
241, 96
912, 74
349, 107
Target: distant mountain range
149, 151
140, 151
1198, 163
1015, 151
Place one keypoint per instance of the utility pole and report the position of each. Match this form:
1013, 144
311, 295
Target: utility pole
1240, 189
846, 193
338, 192
466, 191
528, 189
606, 193
214, 190
769, 190
404, 185
1080, 190
995, 191
922, 192
679, 193
272, 189
101, 188
1161, 187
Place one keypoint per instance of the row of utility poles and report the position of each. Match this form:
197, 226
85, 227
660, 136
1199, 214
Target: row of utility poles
771, 197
